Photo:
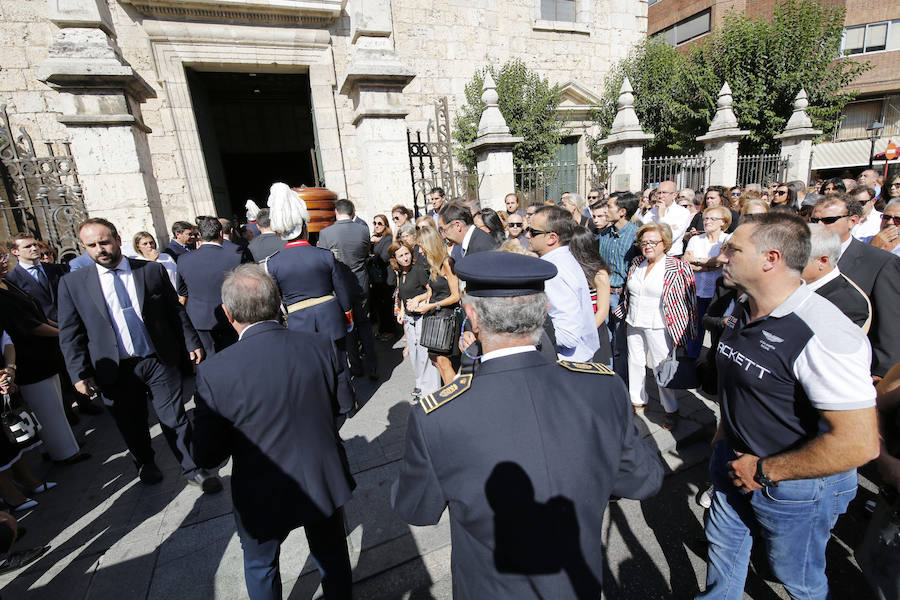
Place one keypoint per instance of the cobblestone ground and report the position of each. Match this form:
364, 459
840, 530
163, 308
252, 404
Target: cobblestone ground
112, 538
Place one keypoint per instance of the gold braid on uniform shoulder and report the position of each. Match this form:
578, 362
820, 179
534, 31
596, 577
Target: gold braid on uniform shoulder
447, 393
591, 367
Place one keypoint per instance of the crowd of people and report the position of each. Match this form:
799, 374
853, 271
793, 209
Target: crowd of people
793, 285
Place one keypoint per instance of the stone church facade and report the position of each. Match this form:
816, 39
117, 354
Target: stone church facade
178, 108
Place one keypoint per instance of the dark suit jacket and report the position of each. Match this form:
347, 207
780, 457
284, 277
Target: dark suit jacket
46, 298
200, 277
877, 273
479, 242
350, 245
844, 294
270, 402
241, 250
526, 479
86, 333
265, 245
175, 250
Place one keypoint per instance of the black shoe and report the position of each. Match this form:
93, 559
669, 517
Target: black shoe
149, 473
210, 484
72, 417
17, 560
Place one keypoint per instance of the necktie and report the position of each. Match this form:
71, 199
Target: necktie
136, 330
41, 278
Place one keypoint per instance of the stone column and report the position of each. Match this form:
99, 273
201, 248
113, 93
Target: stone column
796, 140
99, 98
494, 151
625, 144
721, 141
374, 82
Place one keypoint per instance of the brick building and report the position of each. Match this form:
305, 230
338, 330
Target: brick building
871, 33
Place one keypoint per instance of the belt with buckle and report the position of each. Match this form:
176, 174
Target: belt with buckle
309, 302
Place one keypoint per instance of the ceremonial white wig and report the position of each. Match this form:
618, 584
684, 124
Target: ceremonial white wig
252, 210
287, 211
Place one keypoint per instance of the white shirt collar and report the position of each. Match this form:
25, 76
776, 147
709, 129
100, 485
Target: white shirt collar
506, 352
830, 276
467, 238
252, 325
845, 245
123, 266
213, 243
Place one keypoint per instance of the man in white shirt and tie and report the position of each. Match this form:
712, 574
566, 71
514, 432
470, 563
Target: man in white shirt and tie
666, 210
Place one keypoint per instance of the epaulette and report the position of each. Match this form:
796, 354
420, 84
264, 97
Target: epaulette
591, 367
447, 393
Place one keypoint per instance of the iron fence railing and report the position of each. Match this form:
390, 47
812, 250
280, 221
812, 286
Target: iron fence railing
539, 183
690, 171
763, 169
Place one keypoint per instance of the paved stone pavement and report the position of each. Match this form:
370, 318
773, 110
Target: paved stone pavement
113, 538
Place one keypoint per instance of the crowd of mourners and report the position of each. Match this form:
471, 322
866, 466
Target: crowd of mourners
667, 280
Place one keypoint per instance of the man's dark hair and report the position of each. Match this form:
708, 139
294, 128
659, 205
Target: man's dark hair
782, 231
210, 228
719, 189
180, 227
263, 219
105, 223
854, 208
868, 190
342, 207
559, 221
227, 226
437, 190
456, 212
11, 243
628, 202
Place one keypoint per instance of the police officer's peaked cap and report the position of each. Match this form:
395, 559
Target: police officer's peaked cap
503, 274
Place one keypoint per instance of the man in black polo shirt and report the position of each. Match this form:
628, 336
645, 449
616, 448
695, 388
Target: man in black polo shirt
798, 415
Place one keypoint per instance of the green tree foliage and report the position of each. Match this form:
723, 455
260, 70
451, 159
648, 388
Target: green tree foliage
527, 102
764, 62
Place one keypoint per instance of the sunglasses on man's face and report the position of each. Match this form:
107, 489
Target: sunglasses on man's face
827, 220
515, 224
895, 220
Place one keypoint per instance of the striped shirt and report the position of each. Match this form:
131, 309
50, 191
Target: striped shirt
617, 249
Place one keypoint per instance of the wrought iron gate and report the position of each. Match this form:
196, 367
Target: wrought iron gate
431, 163
41, 195
763, 169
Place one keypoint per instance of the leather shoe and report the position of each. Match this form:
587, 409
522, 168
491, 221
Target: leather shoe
210, 484
149, 473
18, 560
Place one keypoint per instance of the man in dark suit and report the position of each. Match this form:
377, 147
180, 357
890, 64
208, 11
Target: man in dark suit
267, 242
124, 333
876, 272
456, 225
39, 280
823, 277
181, 240
238, 245
271, 402
350, 245
199, 283
526, 479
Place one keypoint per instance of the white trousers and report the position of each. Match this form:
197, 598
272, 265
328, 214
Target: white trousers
44, 398
648, 348
428, 378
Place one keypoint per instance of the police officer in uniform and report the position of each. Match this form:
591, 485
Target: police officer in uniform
315, 295
527, 470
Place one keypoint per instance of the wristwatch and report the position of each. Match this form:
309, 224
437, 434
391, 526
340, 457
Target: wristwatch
761, 477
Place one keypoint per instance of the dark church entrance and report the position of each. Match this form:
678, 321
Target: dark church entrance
256, 129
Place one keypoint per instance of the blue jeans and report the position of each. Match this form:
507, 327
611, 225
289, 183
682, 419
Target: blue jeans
793, 521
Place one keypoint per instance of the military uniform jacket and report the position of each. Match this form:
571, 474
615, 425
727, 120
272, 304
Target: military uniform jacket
526, 459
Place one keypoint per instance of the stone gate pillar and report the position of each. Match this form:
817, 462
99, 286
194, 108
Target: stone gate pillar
99, 98
796, 140
374, 82
721, 141
625, 144
494, 151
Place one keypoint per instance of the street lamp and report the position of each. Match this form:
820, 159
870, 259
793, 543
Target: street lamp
874, 131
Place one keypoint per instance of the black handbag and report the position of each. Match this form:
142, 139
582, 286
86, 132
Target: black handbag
20, 425
440, 330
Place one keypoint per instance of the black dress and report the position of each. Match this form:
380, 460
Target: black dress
440, 289
382, 290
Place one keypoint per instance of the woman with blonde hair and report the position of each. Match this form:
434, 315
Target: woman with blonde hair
442, 293
754, 207
702, 254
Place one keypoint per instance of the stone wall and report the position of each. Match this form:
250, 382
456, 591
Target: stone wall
442, 42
